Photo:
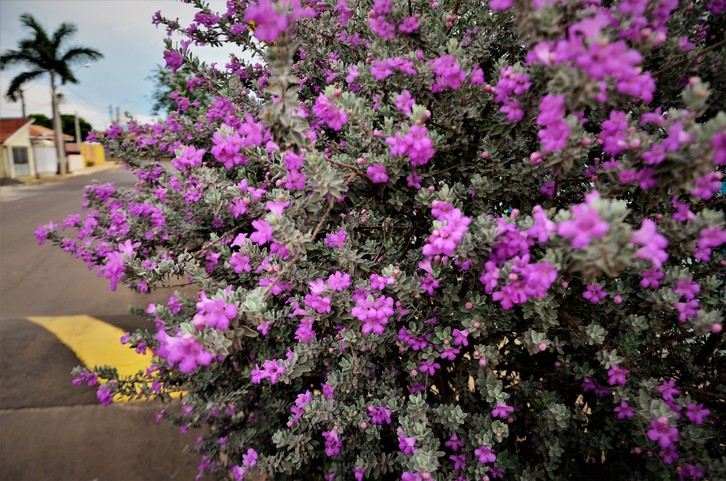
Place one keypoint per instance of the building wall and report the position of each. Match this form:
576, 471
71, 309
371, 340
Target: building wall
20, 139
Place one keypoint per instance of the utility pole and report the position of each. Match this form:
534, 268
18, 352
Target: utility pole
78, 131
110, 114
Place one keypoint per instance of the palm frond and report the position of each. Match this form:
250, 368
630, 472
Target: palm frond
17, 83
64, 31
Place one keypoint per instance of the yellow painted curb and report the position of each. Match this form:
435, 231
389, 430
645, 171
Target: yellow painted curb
96, 343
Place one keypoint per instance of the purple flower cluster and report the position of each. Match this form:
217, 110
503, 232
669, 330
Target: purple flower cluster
688, 305
586, 223
526, 281
406, 444
710, 237
585, 49
298, 409
273, 18
415, 144
333, 444
377, 173
188, 157
652, 244
227, 147
663, 433
183, 349
449, 230
373, 310
336, 239
214, 313
379, 22
449, 74
511, 83
382, 69
379, 415
331, 116
555, 133
271, 369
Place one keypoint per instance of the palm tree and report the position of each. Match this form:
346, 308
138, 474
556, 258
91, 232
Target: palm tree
47, 54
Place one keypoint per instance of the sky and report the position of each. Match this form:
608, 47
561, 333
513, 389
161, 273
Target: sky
122, 31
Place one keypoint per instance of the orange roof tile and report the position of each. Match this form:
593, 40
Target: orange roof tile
9, 126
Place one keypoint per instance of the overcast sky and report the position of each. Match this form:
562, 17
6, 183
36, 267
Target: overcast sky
121, 30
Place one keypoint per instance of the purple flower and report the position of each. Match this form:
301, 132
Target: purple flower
183, 349
502, 411
449, 74
616, 375
552, 116
651, 278
336, 239
662, 433
273, 369
697, 413
500, 4
449, 231
173, 60
594, 293
250, 458
461, 337
705, 187
585, 225
653, 244
263, 232
406, 444
485, 454
331, 116
104, 395
338, 281
272, 19
459, 461
710, 237
454, 443
379, 415
415, 144
240, 263
214, 313
374, 312
409, 24
238, 472
624, 411
404, 102
359, 473
377, 173
333, 444
718, 142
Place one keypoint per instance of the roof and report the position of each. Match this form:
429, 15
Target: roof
8, 127
40, 131
72, 148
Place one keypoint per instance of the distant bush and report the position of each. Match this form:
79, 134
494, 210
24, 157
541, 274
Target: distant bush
433, 241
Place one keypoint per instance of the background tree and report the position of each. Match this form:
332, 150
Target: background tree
47, 54
67, 123
165, 83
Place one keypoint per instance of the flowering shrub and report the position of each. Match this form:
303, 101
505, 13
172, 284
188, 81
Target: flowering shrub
454, 241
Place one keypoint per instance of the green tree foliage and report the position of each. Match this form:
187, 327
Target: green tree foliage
68, 122
166, 83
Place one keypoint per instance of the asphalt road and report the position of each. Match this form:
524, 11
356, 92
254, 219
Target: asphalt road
50, 429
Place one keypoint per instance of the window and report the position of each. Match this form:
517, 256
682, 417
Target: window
20, 161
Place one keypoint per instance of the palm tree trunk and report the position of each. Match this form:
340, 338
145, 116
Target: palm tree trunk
59, 146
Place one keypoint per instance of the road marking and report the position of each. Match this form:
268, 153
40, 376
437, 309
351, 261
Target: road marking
96, 343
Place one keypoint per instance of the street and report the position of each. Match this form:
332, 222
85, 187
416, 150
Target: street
49, 428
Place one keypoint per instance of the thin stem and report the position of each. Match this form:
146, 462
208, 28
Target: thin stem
686, 60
